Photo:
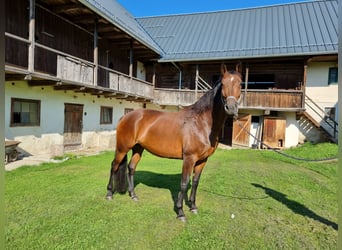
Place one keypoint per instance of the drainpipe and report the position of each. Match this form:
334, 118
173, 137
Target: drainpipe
131, 60
179, 82
31, 36
96, 53
246, 86
303, 87
180, 76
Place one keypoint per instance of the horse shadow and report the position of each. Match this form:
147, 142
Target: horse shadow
295, 206
164, 181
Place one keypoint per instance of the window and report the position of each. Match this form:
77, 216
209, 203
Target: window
127, 110
106, 116
25, 112
330, 112
333, 75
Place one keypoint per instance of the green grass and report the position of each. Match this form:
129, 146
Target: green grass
278, 203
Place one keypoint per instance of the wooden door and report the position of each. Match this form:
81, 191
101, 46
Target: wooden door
240, 129
274, 132
73, 124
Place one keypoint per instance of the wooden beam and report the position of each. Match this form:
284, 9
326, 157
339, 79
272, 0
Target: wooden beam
37, 83
14, 77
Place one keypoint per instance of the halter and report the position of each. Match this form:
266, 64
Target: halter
224, 101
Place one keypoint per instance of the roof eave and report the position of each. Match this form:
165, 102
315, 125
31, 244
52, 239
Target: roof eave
155, 48
201, 59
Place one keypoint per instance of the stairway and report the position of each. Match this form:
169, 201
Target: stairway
318, 118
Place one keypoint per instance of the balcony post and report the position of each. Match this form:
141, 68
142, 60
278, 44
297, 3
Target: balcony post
31, 37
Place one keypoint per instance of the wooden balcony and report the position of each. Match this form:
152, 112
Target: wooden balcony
281, 100
67, 72
176, 97
272, 99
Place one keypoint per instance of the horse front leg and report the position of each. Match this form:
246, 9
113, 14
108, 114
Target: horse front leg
194, 185
186, 172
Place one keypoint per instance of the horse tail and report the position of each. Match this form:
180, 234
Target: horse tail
120, 178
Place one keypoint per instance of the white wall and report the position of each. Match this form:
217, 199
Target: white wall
291, 134
318, 89
44, 138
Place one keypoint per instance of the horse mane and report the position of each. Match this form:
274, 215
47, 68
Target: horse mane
206, 102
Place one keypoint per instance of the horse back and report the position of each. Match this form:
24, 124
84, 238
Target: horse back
157, 131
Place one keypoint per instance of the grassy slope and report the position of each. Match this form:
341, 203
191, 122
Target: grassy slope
277, 203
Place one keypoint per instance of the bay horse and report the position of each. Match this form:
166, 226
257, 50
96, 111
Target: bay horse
191, 134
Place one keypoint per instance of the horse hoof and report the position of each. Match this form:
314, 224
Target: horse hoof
109, 197
135, 198
194, 211
181, 218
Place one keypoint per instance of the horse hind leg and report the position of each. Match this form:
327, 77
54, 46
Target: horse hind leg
137, 151
117, 175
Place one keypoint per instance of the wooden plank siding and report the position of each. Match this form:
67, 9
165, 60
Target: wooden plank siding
272, 99
175, 97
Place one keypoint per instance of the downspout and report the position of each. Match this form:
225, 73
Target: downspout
180, 75
303, 87
179, 82
96, 53
31, 36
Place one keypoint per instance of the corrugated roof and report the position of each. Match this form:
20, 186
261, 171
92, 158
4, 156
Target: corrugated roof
281, 30
112, 11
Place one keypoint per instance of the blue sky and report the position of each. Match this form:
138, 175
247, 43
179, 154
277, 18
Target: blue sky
142, 8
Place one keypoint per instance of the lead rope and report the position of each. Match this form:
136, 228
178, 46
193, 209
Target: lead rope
284, 154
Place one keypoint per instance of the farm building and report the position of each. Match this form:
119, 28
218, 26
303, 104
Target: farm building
73, 68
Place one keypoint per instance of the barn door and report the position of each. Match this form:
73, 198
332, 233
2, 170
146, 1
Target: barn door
240, 136
73, 123
274, 132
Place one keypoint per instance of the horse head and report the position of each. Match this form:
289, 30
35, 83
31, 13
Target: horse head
231, 91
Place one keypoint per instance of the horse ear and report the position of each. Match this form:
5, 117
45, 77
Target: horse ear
238, 67
223, 69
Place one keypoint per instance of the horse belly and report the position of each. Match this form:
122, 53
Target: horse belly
163, 138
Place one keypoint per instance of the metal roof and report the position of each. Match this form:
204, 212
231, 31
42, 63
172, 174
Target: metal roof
113, 12
305, 28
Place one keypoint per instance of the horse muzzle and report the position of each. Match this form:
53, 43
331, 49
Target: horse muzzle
231, 106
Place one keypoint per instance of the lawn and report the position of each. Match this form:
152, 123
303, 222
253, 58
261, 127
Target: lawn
247, 199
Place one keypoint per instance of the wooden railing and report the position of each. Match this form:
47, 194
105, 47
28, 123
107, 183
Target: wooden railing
176, 97
276, 99
68, 68
324, 121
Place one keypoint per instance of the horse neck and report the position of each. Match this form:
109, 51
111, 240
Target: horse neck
218, 116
